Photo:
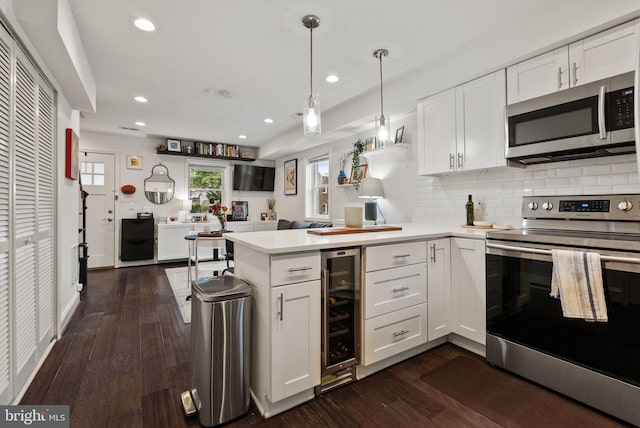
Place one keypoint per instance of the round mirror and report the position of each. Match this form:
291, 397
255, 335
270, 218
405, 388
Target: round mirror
158, 188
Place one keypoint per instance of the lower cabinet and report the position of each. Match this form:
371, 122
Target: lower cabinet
295, 338
394, 300
439, 288
468, 290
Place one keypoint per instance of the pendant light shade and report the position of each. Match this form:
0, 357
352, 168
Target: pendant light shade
311, 115
382, 121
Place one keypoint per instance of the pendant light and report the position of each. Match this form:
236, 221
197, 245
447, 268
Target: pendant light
311, 115
382, 122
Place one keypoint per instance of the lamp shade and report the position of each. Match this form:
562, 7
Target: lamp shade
371, 188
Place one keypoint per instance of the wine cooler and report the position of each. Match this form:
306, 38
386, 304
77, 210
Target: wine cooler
340, 317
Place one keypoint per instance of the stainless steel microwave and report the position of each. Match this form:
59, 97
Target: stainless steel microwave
590, 120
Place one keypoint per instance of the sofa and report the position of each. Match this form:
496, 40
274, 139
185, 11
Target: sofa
295, 224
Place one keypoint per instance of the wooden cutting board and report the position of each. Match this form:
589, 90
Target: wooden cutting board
326, 231
486, 226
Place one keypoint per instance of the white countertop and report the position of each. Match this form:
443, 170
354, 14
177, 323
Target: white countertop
294, 240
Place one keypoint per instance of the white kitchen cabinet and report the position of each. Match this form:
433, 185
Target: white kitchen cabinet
437, 133
468, 288
173, 246
285, 326
462, 129
393, 299
295, 338
597, 57
439, 288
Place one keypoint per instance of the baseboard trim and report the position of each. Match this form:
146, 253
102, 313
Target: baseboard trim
68, 312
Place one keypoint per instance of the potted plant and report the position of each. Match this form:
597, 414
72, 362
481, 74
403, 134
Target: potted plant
358, 148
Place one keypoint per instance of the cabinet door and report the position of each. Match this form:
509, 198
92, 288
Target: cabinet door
437, 133
171, 242
295, 339
439, 289
468, 279
603, 55
480, 106
540, 75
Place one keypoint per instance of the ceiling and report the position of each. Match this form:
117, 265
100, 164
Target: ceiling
258, 51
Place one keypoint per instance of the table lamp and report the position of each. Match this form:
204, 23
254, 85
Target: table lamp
371, 189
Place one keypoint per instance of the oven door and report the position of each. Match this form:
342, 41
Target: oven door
520, 309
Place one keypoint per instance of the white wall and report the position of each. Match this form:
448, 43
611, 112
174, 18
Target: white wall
396, 167
127, 206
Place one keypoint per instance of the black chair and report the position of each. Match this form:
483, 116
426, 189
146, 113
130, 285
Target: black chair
228, 246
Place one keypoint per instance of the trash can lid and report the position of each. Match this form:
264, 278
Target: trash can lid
218, 288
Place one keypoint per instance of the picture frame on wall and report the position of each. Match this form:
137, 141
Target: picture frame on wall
72, 155
134, 162
399, 135
174, 146
291, 177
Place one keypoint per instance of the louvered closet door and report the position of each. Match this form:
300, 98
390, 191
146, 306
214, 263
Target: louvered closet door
25, 240
5, 154
44, 215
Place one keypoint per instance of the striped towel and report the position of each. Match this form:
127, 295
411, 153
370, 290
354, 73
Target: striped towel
577, 281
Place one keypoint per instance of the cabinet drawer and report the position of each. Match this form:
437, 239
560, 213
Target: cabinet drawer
392, 333
392, 289
291, 268
393, 255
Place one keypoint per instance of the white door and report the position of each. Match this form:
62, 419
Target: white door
540, 75
468, 278
97, 172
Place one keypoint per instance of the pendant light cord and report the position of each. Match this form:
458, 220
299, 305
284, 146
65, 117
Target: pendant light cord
311, 61
381, 100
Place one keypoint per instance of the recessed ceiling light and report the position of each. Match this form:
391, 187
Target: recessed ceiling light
242, 137
139, 123
268, 120
140, 99
332, 78
144, 24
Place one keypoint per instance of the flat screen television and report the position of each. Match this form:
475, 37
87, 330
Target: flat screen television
255, 178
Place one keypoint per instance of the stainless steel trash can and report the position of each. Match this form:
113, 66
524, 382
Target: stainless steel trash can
221, 348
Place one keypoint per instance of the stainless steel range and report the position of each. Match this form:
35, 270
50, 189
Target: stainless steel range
597, 363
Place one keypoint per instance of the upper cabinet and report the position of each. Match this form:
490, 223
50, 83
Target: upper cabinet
462, 129
597, 57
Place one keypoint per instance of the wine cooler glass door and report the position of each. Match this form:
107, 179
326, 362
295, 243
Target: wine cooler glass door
341, 302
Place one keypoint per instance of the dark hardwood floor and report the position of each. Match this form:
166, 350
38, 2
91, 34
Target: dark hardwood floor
125, 358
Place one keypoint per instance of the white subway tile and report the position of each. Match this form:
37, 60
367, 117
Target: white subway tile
604, 180
596, 169
575, 171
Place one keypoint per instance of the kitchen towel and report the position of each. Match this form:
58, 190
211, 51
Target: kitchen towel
577, 281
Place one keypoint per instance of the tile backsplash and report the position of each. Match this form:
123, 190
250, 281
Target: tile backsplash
498, 193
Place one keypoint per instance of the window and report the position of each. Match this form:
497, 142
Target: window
318, 188
92, 173
206, 186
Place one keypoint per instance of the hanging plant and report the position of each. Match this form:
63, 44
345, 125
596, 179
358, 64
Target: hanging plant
358, 148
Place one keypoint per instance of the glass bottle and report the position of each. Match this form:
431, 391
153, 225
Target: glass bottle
469, 208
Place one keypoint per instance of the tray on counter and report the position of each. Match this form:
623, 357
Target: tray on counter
325, 231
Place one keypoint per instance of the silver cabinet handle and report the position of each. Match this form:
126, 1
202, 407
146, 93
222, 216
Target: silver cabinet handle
602, 127
451, 161
559, 77
574, 66
460, 160
401, 256
400, 333
280, 312
397, 290
298, 269
433, 253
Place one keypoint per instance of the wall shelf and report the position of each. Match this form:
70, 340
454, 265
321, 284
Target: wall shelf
196, 155
399, 146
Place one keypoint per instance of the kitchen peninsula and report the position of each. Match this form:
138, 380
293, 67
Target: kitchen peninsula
410, 301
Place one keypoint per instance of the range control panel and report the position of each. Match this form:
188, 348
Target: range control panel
585, 207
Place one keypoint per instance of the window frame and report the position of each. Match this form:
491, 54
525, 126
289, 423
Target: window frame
204, 164
310, 187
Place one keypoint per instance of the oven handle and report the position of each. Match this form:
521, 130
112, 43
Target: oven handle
548, 252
